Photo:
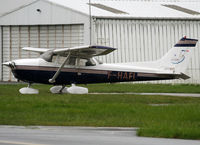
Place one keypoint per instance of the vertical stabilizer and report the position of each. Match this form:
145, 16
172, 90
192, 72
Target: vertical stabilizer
177, 59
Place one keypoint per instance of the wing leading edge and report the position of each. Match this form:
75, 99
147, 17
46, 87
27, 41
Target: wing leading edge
39, 50
79, 51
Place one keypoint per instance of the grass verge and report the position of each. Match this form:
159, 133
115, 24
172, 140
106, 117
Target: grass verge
180, 118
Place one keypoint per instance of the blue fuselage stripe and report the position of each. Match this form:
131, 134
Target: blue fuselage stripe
185, 45
42, 76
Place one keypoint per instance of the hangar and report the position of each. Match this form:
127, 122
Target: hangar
142, 30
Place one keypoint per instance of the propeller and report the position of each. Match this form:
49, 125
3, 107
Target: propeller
10, 64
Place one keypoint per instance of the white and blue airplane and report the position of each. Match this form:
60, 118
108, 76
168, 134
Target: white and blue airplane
78, 65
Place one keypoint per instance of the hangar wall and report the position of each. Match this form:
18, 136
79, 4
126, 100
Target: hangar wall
147, 40
137, 38
42, 36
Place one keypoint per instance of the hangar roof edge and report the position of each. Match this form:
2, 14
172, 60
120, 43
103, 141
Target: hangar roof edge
18, 8
132, 9
35, 1
136, 9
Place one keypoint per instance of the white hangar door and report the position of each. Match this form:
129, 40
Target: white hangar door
147, 40
53, 36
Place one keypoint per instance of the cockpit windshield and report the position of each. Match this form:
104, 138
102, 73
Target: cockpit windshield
72, 61
47, 56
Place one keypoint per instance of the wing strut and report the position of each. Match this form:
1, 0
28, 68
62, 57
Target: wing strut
52, 80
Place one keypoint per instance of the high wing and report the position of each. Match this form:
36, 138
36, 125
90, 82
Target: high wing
85, 51
39, 50
80, 51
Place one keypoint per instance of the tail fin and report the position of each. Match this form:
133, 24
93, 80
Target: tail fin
177, 59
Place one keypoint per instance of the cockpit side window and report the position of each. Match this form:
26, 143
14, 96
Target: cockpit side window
71, 61
74, 61
86, 62
60, 59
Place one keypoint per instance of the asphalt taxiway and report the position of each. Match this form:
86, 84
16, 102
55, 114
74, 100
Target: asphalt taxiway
41, 135
158, 94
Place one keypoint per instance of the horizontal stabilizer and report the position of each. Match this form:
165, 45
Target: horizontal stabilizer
181, 76
184, 76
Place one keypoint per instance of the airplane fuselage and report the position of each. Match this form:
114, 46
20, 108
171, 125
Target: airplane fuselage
39, 71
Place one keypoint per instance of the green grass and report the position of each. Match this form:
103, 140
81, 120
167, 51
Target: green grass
179, 119
145, 88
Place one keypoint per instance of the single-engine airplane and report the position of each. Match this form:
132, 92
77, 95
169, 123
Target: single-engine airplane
78, 65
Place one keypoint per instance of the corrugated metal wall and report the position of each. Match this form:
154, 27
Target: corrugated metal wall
146, 40
53, 36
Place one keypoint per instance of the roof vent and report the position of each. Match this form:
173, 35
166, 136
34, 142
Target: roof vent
38, 10
107, 8
185, 10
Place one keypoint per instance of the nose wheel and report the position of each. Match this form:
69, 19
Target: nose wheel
28, 90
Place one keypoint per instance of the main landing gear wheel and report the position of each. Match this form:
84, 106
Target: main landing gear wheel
77, 90
71, 90
58, 90
28, 90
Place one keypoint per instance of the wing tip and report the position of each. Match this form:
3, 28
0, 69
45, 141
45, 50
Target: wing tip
39, 50
102, 47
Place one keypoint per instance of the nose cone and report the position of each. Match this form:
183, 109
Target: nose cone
9, 64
